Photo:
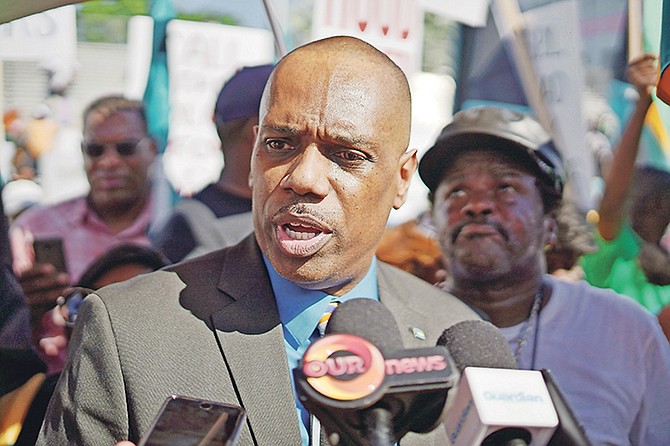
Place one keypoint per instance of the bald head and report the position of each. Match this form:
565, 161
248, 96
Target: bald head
358, 71
330, 161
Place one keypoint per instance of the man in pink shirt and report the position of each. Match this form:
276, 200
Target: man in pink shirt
118, 153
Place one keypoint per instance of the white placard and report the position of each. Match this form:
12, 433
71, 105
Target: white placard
553, 43
138, 55
50, 34
554, 40
470, 12
201, 56
392, 26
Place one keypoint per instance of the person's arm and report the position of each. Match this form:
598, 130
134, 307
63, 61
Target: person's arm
642, 73
655, 263
89, 403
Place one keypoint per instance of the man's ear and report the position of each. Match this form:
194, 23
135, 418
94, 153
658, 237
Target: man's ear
251, 177
407, 166
550, 231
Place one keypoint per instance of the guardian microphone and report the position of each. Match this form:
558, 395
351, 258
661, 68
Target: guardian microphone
495, 407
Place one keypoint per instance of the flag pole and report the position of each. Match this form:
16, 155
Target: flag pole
280, 45
509, 20
635, 46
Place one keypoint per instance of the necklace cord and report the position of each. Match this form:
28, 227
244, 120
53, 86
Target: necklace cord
522, 338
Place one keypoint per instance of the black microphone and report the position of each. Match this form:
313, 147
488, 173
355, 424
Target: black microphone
475, 343
364, 387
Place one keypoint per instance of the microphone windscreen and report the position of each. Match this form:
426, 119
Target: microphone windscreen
368, 319
475, 343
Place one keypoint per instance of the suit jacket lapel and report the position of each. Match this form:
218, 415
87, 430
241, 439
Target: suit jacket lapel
252, 344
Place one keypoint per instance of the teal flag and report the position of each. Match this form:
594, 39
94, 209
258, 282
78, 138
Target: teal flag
156, 95
157, 103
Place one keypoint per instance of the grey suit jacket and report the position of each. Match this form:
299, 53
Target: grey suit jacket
206, 328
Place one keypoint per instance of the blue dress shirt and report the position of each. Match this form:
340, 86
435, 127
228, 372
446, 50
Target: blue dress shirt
299, 312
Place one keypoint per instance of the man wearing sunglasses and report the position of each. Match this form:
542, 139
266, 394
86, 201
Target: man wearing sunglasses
117, 153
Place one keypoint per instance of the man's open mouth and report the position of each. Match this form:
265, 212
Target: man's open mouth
301, 232
301, 239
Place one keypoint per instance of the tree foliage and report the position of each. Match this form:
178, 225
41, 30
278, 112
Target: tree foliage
124, 8
107, 20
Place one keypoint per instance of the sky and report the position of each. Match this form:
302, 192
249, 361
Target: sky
248, 12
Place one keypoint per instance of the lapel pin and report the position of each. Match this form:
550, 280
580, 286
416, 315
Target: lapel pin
418, 333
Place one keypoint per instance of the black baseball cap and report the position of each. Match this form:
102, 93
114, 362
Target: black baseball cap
497, 128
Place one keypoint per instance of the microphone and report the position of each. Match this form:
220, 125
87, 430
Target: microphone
569, 432
495, 404
361, 384
503, 407
476, 343
497, 407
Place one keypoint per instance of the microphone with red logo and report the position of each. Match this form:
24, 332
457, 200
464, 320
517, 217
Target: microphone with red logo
361, 384
364, 387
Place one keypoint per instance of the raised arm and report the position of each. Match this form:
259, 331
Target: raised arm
643, 73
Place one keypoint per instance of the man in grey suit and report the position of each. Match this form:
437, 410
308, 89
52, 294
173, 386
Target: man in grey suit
329, 162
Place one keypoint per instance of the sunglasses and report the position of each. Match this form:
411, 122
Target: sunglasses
124, 148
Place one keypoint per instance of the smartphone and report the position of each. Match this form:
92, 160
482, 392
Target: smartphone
50, 250
185, 421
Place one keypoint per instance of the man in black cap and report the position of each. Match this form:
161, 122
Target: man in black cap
220, 214
496, 180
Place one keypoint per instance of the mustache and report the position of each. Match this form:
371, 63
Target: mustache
483, 221
304, 209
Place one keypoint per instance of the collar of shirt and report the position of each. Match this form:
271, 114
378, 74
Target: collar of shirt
87, 216
300, 309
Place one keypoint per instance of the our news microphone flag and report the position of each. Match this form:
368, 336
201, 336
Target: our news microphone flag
363, 386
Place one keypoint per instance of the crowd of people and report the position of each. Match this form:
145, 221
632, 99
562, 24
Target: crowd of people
222, 299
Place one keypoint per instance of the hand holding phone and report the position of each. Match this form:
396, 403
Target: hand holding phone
50, 250
41, 286
185, 421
